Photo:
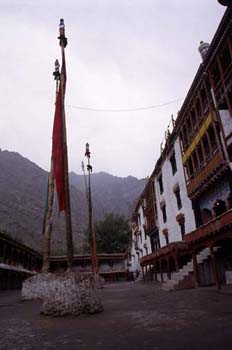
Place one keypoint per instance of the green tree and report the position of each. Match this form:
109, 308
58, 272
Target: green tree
113, 234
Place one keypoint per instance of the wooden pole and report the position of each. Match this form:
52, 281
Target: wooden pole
68, 220
48, 219
161, 272
48, 222
168, 269
176, 262
91, 226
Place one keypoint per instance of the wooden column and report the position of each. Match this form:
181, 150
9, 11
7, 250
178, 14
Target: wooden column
161, 272
195, 269
152, 272
215, 269
176, 263
168, 269
155, 270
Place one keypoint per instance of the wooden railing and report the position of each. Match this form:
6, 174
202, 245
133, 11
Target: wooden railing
209, 229
161, 252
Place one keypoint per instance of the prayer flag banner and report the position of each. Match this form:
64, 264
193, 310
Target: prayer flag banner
58, 140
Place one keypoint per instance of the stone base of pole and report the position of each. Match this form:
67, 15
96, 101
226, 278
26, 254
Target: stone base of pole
67, 293
99, 281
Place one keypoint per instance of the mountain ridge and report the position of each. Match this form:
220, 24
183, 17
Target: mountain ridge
23, 187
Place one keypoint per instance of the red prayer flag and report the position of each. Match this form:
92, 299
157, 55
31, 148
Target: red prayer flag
58, 141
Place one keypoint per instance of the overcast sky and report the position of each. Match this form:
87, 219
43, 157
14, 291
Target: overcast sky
121, 54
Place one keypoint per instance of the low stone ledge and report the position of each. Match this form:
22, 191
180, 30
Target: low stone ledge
66, 293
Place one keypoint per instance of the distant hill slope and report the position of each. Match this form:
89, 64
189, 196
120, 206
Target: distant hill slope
111, 193
23, 187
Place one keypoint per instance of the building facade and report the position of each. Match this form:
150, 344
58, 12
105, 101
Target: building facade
145, 237
193, 180
175, 213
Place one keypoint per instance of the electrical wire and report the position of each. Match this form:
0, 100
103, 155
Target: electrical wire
124, 109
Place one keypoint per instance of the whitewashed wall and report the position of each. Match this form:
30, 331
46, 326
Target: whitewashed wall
169, 181
142, 242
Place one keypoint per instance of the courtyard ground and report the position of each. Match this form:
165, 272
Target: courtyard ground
136, 316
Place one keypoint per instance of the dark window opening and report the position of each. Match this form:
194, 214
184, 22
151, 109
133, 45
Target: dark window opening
182, 229
225, 58
160, 180
189, 126
200, 154
198, 108
206, 144
178, 199
230, 99
197, 212
173, 163
219, 207
164, 213
195, 162
215, 73
152, 244
206, 215
230, 152
155, 242
194, 120
190, 167
223, 105
212, 136
167, 239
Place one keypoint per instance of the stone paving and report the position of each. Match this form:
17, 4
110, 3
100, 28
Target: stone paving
136, 316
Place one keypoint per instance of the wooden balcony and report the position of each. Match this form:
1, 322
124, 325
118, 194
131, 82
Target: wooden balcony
207, 175
218, 225
212, 231
163, 252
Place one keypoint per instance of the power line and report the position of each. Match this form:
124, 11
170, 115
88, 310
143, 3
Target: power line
126, 109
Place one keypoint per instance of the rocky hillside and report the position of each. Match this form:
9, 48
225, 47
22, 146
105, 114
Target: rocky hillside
22, 200
110, 194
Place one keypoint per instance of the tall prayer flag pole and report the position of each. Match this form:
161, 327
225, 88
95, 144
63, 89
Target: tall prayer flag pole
86, 187
48, 222
92, 237
50, 196
59, 151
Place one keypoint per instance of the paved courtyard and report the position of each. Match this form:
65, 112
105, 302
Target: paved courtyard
136, 316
